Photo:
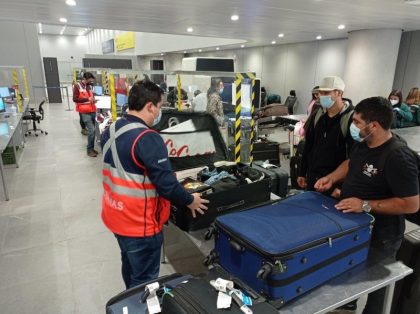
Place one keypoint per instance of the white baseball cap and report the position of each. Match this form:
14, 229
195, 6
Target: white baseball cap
331, 83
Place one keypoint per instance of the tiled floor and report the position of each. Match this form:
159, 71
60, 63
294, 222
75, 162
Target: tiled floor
55, 254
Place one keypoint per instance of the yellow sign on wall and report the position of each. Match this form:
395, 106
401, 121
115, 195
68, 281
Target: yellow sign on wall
124, 41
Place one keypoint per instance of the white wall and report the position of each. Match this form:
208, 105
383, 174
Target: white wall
407, 73
19, 47
293, 66
171, 62
371, 61
154, 43
69, 51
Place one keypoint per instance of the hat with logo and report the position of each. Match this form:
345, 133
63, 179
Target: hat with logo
331, 83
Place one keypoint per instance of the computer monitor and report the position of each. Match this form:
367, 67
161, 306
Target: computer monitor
4, 91
4, 128
121, 99
98, 90
2, 105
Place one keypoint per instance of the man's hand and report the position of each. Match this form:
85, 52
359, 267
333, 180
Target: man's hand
350, 205
323, 184
197, 204
336, 193
301, 181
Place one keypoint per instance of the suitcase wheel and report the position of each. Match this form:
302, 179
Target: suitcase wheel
211, 258
209, 233
264, 271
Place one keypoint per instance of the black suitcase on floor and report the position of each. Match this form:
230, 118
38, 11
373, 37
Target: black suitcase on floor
133, 300
407, 291
279, 177
194, 141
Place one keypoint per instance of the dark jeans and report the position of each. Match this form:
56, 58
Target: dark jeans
89, 120
140, 258
375, 301
82, 124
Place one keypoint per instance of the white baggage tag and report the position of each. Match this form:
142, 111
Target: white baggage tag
223, 285
223, 301
152, 300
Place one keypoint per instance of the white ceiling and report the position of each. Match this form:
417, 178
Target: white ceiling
260, 21
57, 29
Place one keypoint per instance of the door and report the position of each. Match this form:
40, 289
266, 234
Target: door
52, 80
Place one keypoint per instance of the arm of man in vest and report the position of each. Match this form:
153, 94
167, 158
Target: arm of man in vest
402, 178
76, 95
152, 153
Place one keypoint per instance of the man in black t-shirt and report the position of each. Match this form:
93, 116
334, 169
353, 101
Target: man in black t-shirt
380, 178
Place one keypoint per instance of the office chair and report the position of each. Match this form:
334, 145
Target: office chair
35, 118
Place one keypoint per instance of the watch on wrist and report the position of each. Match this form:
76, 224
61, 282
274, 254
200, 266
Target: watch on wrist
366, 207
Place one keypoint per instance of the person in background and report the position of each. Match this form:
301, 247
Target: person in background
326, 146
314, 103
85, 106
381, 178
263, 97
292, 102
413, 97
214, 104
139, 185
172, 97
401, 110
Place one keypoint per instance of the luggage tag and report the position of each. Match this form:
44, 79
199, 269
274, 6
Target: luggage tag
152, 300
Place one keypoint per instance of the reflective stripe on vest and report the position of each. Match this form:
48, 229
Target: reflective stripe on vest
131, 204
85, 107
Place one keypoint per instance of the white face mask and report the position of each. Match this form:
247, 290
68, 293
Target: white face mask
394, 102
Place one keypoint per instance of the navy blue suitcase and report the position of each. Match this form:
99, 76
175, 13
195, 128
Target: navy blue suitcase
286, 249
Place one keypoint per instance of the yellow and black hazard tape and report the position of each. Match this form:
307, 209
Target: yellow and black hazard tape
238, 106
179, 102
238, 83
25, 83
251, 147
113, 100
17, 92
107, 78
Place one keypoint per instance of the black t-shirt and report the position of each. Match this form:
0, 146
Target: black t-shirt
373, 176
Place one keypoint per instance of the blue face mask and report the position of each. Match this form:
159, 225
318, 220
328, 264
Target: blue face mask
355, 133
326, 102
221, 91
157, 119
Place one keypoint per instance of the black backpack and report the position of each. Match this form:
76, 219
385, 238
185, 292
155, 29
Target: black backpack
414, 218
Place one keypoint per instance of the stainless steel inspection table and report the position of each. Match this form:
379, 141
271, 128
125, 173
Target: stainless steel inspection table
411, 135
13, 125
376, 273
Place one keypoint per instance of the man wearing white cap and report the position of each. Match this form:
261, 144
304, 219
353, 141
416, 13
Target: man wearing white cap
327, 140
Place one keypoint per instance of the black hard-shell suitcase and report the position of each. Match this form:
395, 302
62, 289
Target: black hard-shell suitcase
279, 177
407, 291
133, 300
200, 146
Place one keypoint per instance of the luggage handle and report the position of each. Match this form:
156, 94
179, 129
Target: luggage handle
230, 206
236, 246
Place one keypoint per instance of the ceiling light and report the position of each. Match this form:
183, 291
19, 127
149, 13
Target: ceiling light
185, 51
71, 3
318, 37
200, 50
190, 29
63, 20
281, 35
273, 42
342, 26
234, 17
217, 48
242, 46
162, 54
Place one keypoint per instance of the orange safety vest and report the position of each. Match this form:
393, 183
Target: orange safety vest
131, 205
85, 107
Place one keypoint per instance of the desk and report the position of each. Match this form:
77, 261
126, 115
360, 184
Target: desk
14, 121
411, 135
377, 272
